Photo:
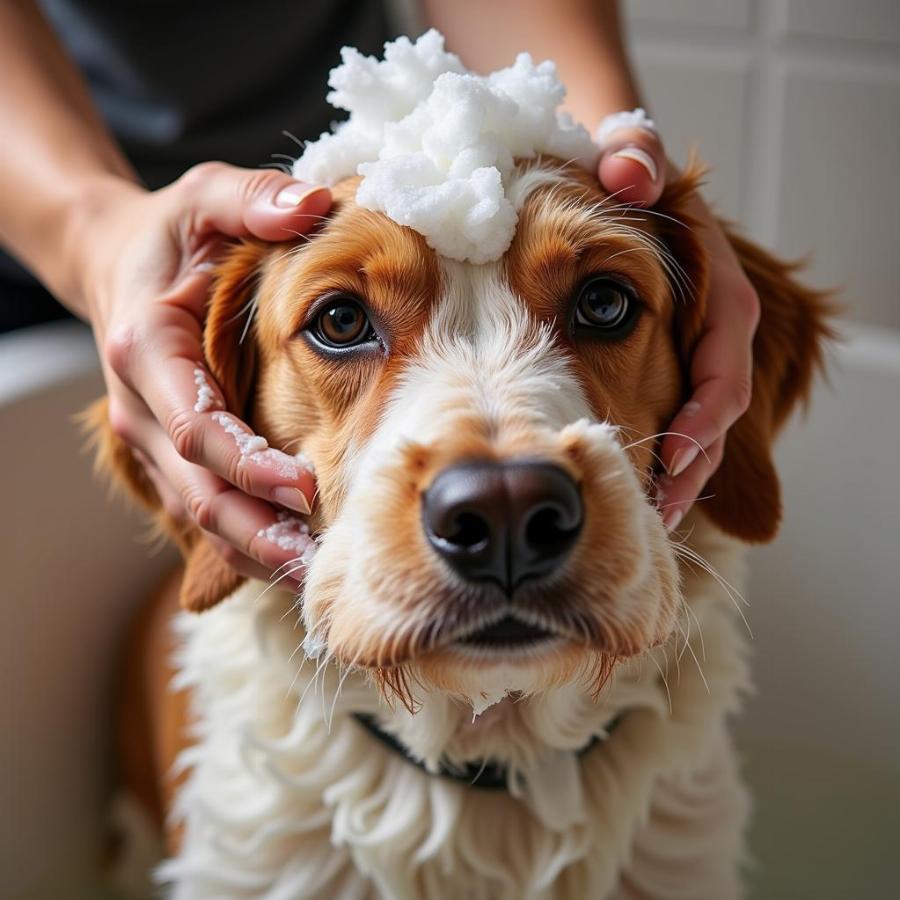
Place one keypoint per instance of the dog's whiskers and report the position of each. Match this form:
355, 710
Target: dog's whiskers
693, 615
663, 677
692, 556
662, 434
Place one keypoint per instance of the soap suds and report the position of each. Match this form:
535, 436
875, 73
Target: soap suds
248, 443
305, 462
313, 646
436, 144
256, 449
636, 118
206, 397
291, 533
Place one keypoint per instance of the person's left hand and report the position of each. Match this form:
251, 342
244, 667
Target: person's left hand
633, 166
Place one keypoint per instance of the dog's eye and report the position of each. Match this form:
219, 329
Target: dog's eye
605, 308
341, 323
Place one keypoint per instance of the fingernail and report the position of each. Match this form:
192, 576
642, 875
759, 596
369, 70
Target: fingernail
295, 194
672, 520
691, 408
292, 498
682, 459
634, 118
641, 157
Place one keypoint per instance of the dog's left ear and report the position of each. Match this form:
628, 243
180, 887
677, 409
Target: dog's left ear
745, 494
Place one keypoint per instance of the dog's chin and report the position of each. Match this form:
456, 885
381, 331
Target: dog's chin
481, 673
510, 654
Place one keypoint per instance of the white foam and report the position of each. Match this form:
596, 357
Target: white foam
248, 443
256, 448
435, 144
313, 646
291, 533
206, 397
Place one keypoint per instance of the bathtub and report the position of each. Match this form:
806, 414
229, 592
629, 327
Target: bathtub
820, 739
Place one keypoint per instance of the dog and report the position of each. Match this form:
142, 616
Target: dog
503, 678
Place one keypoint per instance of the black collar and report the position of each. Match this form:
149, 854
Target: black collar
488, 775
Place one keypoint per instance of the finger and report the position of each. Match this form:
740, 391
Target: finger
238, 202
169, 498
249, 527
676, 495
632, 164
287, 578
722, 370
185, 400
144, 431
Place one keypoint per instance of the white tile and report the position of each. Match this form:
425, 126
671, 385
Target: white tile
839, 194
701, 104
715, 13
870, 20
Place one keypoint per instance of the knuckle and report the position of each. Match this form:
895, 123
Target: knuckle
120, 348
747, 301
255, 549
232, 556
256, 184
172, 507
199, 175
120, 421
743, 392
185, 433
239, 474
202, 509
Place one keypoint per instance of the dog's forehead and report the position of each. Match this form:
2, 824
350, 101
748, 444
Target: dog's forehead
567, 229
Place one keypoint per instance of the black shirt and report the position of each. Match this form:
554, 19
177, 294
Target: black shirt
182, 81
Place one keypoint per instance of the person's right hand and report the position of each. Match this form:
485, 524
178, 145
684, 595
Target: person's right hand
139, 264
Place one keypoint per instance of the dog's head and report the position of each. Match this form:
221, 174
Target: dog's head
484, 435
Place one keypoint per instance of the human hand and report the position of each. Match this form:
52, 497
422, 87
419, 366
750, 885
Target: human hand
139, 265
633, 166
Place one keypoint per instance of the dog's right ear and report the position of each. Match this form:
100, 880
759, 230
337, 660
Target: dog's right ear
230, 357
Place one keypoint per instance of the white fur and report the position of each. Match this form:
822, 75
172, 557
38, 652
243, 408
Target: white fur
279, 805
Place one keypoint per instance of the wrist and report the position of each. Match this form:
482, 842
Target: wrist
77, 221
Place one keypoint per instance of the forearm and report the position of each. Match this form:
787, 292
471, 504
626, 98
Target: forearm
55, 147
583, 37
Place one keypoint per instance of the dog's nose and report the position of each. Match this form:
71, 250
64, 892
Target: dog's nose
503, 522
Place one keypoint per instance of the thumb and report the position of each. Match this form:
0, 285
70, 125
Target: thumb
632, 159
243, 202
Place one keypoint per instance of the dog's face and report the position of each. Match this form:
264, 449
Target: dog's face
484, 436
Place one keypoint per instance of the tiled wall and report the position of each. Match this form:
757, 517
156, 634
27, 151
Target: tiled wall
796, 105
